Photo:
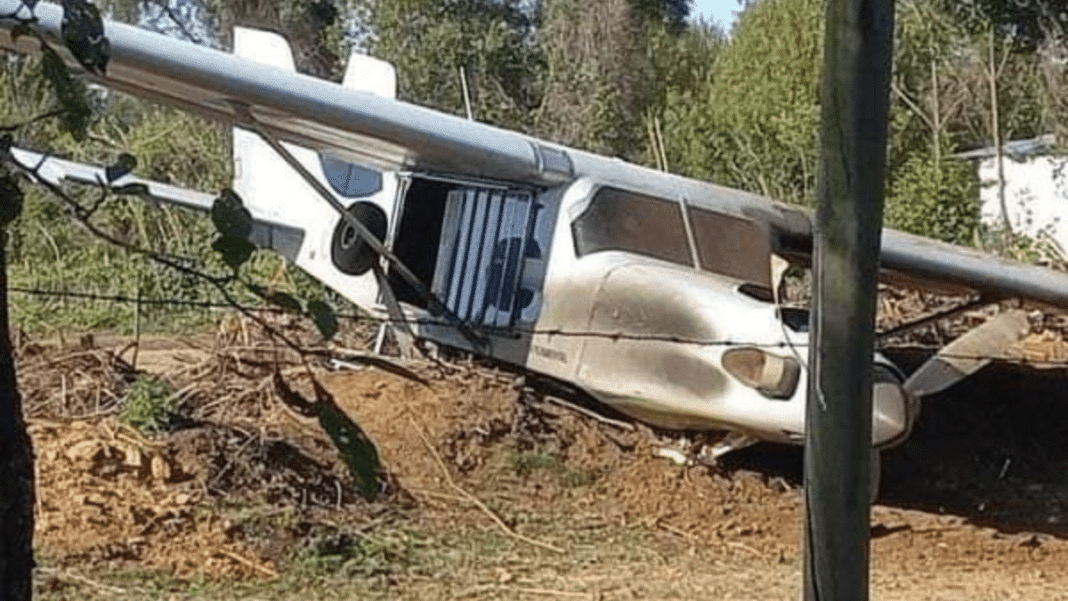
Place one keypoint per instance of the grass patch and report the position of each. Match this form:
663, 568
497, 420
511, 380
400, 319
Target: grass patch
406, 561
526, 463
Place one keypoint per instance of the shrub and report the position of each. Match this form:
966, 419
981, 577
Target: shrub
151, 405
937, 201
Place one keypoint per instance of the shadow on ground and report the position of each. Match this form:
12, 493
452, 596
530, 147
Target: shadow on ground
993, 449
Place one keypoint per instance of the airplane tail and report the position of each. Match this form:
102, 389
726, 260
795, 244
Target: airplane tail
270, 187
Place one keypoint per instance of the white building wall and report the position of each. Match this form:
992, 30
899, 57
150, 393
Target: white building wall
1036, 197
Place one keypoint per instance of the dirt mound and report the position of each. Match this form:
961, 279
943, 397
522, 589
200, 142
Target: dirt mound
179, 502
476, 430
407, 418
190, 500
106, 493
945, 501
247, 483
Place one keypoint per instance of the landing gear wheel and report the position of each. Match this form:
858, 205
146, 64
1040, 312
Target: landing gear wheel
876, 475
349, 252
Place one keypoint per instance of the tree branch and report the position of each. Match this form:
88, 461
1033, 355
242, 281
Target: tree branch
82, 215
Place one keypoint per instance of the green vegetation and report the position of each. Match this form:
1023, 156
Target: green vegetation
755, 124
526, 463
615, 77
150, 405
49, 253
489, 41
938, 200
55, 264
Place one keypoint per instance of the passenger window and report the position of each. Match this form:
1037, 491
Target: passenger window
627, 221
732, 246
348, 180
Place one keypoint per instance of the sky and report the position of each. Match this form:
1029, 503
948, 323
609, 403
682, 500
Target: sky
717, 10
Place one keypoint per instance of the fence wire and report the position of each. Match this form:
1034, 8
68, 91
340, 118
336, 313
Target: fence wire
552, 332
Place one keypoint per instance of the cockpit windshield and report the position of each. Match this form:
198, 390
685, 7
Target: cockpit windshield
732, 246
626, 221
631, 222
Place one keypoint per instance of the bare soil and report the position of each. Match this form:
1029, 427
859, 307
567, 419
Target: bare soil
512, 497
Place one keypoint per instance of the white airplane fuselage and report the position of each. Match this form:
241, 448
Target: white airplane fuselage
613, 290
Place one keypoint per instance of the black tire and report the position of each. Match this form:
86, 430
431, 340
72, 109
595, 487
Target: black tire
350, 254
883, 373
876, 478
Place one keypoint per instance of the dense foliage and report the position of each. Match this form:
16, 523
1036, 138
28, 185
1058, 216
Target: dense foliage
755, 121
60, 262
629, 78
937, 199
436, 45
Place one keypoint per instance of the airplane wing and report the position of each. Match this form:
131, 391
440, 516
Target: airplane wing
301, 109
266, 233
926, 263
382, 132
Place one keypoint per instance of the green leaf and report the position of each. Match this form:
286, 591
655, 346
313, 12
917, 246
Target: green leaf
324, 318
135, 189
292, 398
71, 94
276, 298
82, 30
230, 216
235, 251
23, 29
355, 448
123, 165
150, 405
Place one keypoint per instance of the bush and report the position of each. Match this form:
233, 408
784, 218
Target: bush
151, 405
937, 201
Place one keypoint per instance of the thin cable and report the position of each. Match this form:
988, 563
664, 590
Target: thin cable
788, 343
118, 298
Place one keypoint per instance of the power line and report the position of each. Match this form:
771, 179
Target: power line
670, 339
133, 300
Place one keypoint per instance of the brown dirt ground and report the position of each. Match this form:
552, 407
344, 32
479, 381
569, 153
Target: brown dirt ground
948, 518
973, 506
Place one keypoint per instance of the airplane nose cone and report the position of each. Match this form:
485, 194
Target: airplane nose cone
893, 410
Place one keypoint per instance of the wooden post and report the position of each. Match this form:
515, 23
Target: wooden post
857, 59
16, 450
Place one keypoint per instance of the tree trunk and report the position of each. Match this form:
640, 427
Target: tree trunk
937, 118
995, 128
16, 467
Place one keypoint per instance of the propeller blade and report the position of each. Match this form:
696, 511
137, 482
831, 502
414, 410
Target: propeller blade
967, 354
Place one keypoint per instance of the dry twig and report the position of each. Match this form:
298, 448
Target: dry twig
470, 497
84, 580
247, 562
589, 413
552, 592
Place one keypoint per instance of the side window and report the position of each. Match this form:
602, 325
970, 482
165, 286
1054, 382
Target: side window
627, 221
348, 180
732, 246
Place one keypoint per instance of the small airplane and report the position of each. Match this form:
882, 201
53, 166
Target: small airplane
656, 294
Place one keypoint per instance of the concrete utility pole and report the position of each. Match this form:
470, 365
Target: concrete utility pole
857, 58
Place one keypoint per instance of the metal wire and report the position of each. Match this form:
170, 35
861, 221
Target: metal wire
121, 299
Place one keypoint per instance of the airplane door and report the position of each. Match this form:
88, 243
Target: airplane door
490, 260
